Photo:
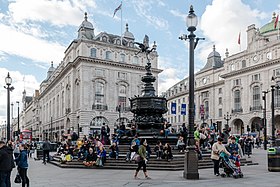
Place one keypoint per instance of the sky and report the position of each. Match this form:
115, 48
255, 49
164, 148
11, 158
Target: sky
35, 32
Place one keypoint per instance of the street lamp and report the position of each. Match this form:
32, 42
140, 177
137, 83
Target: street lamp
273, 86
264, 120
8, 81
227, 118
18, 131
191, 161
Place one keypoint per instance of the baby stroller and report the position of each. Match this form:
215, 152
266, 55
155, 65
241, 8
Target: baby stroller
231, 166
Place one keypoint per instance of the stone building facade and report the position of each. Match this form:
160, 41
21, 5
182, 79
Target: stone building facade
91, 86
230, 90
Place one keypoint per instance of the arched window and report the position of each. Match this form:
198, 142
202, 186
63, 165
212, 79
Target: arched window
135, 60
237, 100
122, 96
206, 108
92, 52
108, 55
99, 93
256, 97
122, 57
98, 121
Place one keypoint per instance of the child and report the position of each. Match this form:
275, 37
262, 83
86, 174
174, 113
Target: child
236, 158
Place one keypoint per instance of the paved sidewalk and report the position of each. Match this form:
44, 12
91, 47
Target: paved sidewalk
48, 175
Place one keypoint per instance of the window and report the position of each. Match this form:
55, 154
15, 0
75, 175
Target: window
243, 63
276, 72
232, 67
220, 101
122, 96
99, 93
135, 60
206, 108
220, 91
92, 52
220, 112
237, 100
179, 101
256, 97
108, 55
256, 77
100, 72
122, 75
236, 82
122, 57
205, 95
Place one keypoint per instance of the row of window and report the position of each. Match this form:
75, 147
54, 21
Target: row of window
109, 56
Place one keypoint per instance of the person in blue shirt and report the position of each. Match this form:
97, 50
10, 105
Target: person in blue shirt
23, 165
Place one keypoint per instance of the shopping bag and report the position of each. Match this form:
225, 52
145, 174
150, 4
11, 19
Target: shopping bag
17, 179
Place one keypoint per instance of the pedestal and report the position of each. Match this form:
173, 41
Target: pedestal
191, 165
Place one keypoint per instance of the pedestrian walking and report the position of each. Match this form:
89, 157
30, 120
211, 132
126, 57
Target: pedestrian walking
6, 164
23, 164
217, 148
143, 160
46, 151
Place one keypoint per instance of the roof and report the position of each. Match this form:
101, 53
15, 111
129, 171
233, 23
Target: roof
213, 60
269, 26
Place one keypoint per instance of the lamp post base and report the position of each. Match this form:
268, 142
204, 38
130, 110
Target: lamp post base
191, 164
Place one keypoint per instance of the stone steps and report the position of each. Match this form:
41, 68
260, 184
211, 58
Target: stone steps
174, 165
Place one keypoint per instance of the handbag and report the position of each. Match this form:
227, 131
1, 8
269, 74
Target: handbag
18, 178
99, 162
137, 158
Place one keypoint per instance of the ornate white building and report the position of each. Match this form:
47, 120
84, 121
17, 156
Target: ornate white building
98, 74
234, 85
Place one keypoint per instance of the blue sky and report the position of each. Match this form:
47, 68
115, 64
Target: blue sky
35, 32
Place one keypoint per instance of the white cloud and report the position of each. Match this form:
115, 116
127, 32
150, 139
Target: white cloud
27, 46
177, 13
167, 79
60, 13
143, 9
221, 23
30, 84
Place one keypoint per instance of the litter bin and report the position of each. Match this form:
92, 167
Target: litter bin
273, 156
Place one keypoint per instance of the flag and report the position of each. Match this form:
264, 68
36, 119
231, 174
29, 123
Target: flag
117, 9
239, 38
183, 109
173, 108
276, 21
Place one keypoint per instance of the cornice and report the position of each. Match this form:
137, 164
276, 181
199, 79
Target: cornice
197, 89
251, 68
112, 63
81, 59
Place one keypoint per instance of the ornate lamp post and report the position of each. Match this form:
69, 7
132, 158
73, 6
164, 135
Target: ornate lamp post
227, 118
9, 88
264, 120
273, 86
18, 131
191, 161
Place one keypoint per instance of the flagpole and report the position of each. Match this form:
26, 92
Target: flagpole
121, 23
278, 37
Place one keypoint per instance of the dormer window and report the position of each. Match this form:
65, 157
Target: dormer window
104, 38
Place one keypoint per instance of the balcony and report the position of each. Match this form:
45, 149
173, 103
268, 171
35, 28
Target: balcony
237, 110
99, 107
123, 109
255, 108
